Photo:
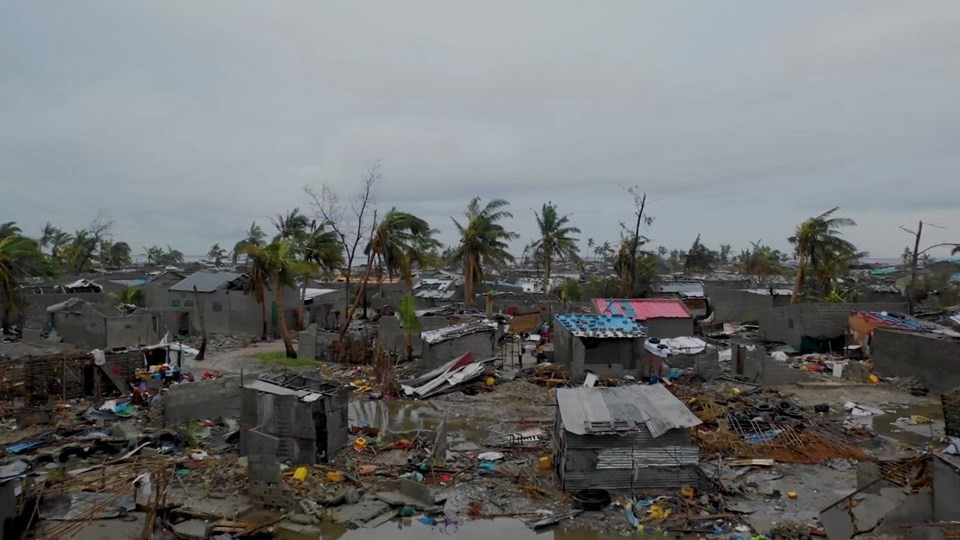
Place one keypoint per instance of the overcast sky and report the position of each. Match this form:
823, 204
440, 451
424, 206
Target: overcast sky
187, 120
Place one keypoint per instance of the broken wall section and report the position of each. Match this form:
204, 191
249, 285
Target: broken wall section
213, 398
755, 365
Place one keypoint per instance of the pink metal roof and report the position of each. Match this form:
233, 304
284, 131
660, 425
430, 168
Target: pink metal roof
641, 309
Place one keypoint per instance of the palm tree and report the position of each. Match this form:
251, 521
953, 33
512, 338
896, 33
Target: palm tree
281, 260
216, 254
255, 237
406, 310
19, 257
482, 241
259, 282
590, 244
292, 226
129, 296
816, 244
323, 252
9, 228
399, 241
555, 239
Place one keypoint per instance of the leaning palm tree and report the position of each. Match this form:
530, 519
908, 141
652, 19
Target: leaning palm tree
216, 254
400, 241
483, 241
9, 229
283, 265
816, 244
590, 244
323, 253
555, 240
292, 226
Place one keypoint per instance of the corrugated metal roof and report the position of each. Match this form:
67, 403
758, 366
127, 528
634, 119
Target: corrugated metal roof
68, 303
884, 319
664, 347
686, 288
601, 326
620, 409
643, 309
205, 281
769, 292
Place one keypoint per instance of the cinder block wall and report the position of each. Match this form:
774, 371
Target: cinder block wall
934, 362
732, 305
668, 328
790, 323
391, 335
767, 371
215, 398
35, 306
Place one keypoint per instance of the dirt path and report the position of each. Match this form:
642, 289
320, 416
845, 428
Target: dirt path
233, 361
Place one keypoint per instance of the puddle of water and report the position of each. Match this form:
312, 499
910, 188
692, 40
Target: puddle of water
464, 530
913, 435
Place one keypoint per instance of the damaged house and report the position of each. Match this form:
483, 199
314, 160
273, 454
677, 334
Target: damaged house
83, 325
305, 418
662, 356
624, 438
607, 345
476, 336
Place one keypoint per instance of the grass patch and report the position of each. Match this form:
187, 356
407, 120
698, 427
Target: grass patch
279, 359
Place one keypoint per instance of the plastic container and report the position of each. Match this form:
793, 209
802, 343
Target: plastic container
545, 462
334, 476
300, 474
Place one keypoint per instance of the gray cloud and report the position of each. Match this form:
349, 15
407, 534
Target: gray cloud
187, 121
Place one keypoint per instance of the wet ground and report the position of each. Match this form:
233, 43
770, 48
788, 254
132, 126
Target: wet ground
466, 530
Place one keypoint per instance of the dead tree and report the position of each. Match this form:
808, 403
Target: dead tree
349, 227
198, 305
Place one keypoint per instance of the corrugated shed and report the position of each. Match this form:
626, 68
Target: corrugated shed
622, 409
642, 309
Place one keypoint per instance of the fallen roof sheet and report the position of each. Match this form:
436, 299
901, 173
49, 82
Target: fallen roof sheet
83, 284
687, 288
621, 409
664, 347
601, 326
642, 309
885, 319
476, 326
68, 303
205, 281
769, 292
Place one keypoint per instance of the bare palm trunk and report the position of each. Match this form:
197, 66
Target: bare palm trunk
408, 335
281, 320
361, 293
799, 278
468, 282
546, 271
301, 325
263, 319
203, 326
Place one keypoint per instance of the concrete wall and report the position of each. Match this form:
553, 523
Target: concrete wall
946, 489
790, 323
131, 330
669, 328
81, 326
211, 399
934, 362
225, 312
481, 345
733, 305
765, 370
706, 364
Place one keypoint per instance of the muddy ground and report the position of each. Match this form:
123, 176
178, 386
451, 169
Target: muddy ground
519, 490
